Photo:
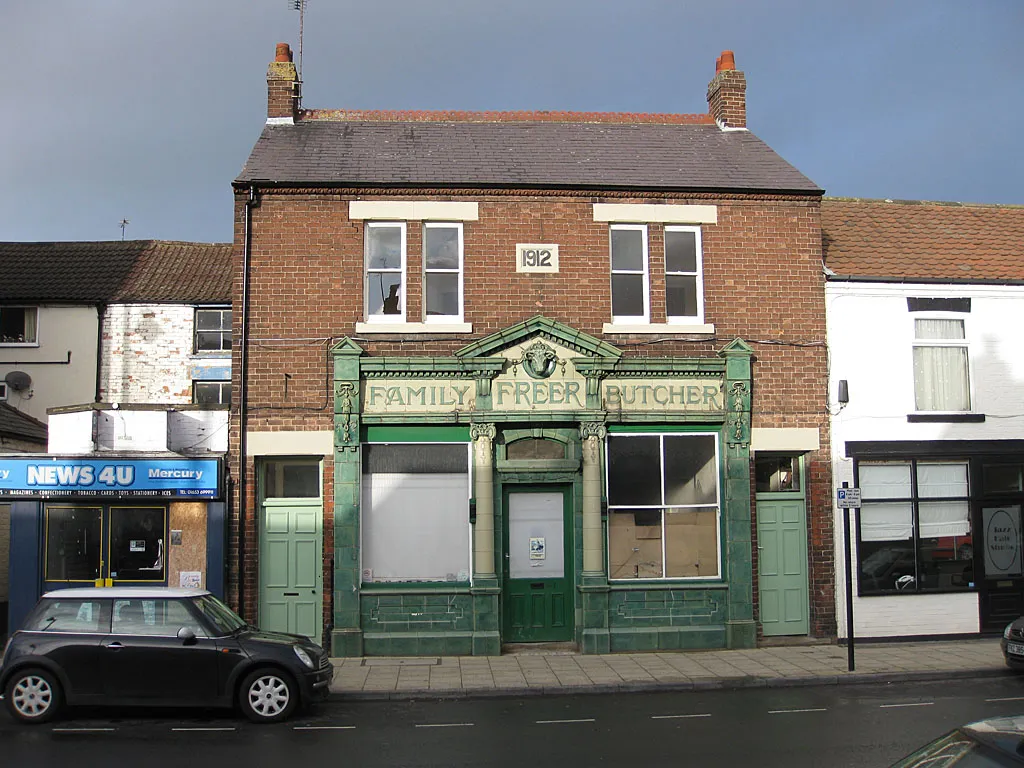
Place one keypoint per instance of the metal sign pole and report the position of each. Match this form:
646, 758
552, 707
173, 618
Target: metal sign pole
849, 583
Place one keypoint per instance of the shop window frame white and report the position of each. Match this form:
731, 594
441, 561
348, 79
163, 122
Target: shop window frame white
645, 273
381, 317
26, 342
697, 274
941, 343
460, 272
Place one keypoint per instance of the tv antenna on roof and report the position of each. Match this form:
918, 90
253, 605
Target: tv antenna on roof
300, 6
124, 223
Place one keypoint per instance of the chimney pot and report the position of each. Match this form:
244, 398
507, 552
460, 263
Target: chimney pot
728, 60
718, 65
284, 52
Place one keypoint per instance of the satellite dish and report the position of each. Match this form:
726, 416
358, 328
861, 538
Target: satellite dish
18, 380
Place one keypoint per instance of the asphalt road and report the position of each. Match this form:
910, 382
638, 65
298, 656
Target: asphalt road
847, 726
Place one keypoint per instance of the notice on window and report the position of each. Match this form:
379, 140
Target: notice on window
137, 545
190, 579
1002, 541
537, 548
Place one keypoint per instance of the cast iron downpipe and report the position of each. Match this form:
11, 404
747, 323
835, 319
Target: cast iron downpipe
101, 310
243, 374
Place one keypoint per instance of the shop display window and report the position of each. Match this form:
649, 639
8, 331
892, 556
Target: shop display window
415, 512
663, 506
914, 527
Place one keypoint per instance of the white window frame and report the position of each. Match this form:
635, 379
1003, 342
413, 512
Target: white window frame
646, 316
663, 507
963, 343
382, 318
460, 271
364, 529
195, 330
35, 341
699, 274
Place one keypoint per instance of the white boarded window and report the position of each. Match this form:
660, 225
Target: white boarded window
941, 378
415, 512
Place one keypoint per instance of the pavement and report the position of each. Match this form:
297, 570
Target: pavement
546, 672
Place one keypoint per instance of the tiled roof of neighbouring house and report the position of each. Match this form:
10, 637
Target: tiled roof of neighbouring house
18, 425
916, 239
593, 152
116, 271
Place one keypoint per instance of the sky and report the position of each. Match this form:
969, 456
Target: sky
146, 110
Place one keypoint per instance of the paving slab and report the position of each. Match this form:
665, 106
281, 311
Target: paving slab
535, 672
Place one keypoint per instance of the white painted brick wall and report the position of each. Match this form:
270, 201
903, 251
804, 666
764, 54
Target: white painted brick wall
870, 337
147, 355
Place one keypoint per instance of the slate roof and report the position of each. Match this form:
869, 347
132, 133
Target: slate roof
915, 239
15, 424
116, 271
420, 150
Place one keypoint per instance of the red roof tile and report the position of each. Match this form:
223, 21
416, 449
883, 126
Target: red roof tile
918, 239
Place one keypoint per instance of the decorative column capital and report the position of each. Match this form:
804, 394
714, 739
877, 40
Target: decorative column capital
482, 431
593, 429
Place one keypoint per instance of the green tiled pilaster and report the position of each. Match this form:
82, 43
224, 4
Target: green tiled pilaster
347, 637
736, 547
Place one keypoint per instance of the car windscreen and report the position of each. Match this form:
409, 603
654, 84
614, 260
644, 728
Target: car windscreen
219, 615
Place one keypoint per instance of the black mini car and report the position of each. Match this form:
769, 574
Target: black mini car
159, 647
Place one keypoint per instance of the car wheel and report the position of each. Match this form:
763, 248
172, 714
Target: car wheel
33, 696
268, 696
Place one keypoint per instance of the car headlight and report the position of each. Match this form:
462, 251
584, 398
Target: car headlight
303, 657
1006, 632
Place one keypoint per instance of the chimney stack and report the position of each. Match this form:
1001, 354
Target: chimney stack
727, 93
282, 87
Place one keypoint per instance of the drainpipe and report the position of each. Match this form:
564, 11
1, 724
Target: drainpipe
101, 310
243, 372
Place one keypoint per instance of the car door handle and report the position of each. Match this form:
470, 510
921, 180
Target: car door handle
115, 645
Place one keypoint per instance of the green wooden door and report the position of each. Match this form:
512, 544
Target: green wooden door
782, 557
291, 567
537, 594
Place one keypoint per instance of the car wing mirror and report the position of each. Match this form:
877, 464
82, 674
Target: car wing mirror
187, 636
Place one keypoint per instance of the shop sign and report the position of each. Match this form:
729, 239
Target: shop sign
418, 395
114, 477
672, 395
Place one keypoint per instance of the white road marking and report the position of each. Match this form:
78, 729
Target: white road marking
444, 725
323, 728
202, 729
673, 717
581, 720
793, 711
917, 704
82, 730
1008, 698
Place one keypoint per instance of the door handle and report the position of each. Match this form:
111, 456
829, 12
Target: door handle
115, 646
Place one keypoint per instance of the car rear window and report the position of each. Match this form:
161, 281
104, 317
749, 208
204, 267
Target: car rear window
59, 615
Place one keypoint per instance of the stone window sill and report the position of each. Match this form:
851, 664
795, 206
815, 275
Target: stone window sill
413, 328
659, 328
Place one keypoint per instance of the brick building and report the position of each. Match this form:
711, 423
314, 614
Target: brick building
528, 376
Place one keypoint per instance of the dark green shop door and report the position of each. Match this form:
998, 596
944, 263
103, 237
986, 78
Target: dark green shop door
537, 596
